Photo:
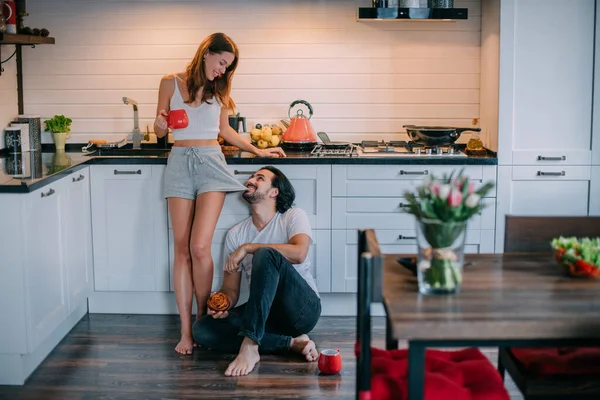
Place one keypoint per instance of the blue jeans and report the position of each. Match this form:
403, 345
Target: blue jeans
281, 306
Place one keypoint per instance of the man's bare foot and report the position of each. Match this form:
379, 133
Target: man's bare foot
246, 359
185, 345
303, 345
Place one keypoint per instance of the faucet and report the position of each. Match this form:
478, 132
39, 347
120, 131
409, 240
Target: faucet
136, 135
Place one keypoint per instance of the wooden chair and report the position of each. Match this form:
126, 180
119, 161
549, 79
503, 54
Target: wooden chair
533, 234
487, 385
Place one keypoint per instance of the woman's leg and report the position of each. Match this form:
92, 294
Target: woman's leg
181, 212
208, 209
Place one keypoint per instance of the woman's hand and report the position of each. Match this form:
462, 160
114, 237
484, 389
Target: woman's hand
271, 152
161, 120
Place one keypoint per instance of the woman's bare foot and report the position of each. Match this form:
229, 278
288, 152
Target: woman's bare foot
303, 345
185, 345
246, 359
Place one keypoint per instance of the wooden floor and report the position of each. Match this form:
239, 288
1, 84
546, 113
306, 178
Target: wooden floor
132, 357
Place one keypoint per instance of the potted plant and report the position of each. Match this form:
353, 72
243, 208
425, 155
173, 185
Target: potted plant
60, 126
443, 207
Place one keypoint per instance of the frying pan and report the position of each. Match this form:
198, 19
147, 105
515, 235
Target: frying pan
436, 135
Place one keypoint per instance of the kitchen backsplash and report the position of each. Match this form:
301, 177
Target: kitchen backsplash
360, 77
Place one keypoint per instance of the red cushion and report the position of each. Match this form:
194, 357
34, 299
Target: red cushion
458, 375
559, 361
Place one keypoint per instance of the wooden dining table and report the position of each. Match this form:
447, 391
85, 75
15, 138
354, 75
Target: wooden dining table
506, 300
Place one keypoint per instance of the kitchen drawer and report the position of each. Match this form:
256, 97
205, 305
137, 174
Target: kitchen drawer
391, 181
122, 172
552, 157
552, 173
345, 248
387, 213
407, 172
547, 198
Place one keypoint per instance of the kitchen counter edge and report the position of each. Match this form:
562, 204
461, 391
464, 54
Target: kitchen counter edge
247, 158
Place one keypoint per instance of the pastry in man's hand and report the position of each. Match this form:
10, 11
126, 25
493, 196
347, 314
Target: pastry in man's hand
218, 301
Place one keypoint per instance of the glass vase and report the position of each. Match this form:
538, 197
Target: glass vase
440, 257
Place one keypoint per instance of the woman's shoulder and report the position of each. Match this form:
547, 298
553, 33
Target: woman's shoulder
172, 77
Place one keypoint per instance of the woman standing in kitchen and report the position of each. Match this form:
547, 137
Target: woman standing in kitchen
197, 178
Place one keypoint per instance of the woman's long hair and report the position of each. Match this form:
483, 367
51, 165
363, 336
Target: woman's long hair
195, 73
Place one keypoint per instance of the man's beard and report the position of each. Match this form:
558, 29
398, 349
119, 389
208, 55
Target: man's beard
253, 198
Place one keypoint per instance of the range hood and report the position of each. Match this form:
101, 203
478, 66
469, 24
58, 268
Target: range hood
400, 13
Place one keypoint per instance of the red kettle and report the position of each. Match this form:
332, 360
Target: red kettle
300, 134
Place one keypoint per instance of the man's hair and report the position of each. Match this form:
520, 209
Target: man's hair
285, 198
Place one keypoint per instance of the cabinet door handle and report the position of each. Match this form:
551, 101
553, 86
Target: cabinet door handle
561, 158
238, 172
403, 172
402, 237
138, 172
48, 193
79, 178
542, 173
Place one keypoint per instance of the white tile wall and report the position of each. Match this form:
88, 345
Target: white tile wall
360, 77
8, 91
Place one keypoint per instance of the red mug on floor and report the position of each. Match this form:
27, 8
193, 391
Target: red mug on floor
177, 119
330, 361
9, 10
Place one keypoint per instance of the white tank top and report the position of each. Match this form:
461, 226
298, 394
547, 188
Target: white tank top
203, 120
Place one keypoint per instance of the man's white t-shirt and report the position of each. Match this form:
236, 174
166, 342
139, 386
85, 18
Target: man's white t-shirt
279, 230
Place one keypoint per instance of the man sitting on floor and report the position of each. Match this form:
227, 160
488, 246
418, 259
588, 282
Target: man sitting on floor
271, 247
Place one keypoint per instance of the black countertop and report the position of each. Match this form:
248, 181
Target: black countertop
26, 172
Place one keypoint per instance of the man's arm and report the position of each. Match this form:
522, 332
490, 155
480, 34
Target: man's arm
231, 286
295, 251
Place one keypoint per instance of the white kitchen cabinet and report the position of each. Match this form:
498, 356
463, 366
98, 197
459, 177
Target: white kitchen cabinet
546, 80
536, 191
388, 213
130, 234
78, 254
394, 180
319, 255
595, 192
45, 274
344, 275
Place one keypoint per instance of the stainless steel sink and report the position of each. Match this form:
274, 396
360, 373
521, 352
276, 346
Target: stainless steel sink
129, 153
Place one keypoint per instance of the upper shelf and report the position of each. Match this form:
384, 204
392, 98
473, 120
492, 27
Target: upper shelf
10, 38
412, 14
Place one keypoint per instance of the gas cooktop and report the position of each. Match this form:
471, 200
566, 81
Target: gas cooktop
368, 148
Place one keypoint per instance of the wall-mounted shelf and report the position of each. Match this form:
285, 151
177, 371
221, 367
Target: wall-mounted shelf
10, 38
20, 40
412, 14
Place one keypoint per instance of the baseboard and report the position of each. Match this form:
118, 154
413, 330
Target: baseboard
333, 304
16, 368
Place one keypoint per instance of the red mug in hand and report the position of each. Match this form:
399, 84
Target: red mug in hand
330, 361
177, 119
9, 10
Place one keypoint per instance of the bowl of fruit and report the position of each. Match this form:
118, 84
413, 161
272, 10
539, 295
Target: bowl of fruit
580, 256
265, 135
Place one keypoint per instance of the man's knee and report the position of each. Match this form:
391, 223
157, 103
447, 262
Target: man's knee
265, 257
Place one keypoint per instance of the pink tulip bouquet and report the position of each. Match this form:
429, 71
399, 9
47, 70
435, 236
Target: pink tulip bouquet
442, 207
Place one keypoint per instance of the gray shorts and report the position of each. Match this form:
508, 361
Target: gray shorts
195, 170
